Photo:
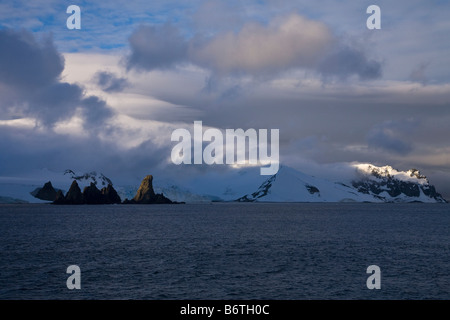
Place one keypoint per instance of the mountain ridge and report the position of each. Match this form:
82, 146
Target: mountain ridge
371, 184
366, 183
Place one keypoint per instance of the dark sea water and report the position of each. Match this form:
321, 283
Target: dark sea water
225, 251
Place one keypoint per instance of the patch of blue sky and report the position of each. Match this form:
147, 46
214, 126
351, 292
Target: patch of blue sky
99, 20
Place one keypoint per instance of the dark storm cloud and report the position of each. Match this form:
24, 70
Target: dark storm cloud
30, 73
26, 62
94, 112
54, 102
109, 82
156, 48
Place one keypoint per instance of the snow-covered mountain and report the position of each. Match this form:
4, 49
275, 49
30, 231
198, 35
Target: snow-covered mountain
290, 185
99, 179
370, 184
389, 185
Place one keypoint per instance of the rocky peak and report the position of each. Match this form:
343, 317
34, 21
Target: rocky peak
392, 185
59, 199
146, 194
47, 192
416, 173
92, 195
110, 195
74, 195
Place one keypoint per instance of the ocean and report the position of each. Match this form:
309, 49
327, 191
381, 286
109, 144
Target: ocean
218, 251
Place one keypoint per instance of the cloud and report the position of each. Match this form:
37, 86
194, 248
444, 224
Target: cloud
346, 61
55, 102
28, 149
391, 136
30, 72
154, 47
94, 112
418, 74
27, 63
291, 42
216, 15
286, 43
109, 82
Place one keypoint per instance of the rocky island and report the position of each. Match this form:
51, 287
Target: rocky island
47, 192
107, 195
146, 194
90, 195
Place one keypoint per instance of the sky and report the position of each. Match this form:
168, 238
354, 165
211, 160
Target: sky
108, 96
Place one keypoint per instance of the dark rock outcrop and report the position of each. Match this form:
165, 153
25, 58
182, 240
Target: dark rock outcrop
90, 195
146, 194
110, 195
261, 192
47, 192
312, 189
59, 199
74, 195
